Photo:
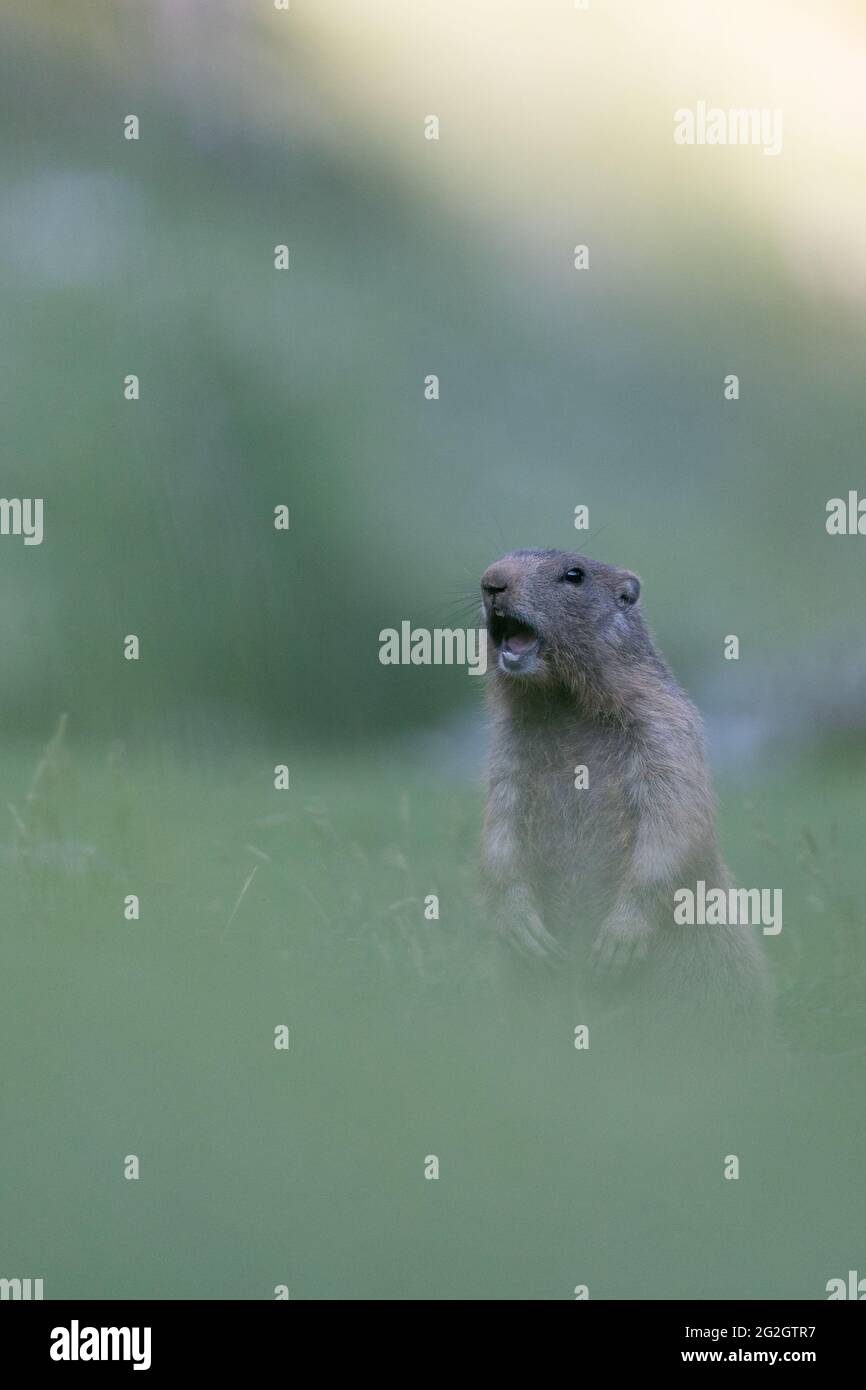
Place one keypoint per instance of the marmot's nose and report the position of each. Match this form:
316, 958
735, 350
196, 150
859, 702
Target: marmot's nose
494, 580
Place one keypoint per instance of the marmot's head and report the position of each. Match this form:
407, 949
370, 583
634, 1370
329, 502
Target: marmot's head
557, 618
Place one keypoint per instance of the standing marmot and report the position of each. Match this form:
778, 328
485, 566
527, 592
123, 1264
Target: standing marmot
576, 682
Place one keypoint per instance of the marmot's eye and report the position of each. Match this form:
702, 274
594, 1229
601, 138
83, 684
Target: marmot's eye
574, 576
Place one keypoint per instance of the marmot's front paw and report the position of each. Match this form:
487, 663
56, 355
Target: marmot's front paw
622, 944
529, 936
520, 924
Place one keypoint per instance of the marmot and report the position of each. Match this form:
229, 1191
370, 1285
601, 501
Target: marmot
589, 872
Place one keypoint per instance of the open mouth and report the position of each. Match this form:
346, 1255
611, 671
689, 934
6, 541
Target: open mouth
517, 642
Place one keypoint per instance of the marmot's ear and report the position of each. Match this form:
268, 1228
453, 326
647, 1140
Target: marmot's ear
627, 589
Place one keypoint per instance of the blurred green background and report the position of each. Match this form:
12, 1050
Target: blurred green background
259, 647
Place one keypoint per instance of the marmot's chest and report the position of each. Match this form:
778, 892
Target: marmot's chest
573, 808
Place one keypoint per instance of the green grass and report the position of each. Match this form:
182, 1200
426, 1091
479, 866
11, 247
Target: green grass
261, 1167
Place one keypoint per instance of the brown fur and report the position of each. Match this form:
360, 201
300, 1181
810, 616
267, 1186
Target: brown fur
590, 874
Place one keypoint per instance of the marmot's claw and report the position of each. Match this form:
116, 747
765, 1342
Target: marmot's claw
613, 955
533, 940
